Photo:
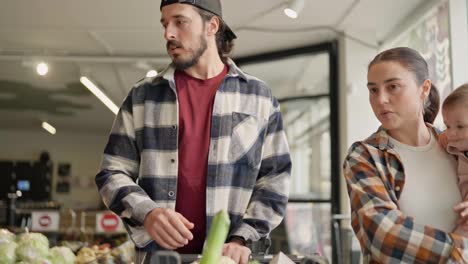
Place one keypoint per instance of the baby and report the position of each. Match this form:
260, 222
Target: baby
455, 140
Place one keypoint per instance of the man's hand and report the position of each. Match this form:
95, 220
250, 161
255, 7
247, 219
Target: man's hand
168, 228
237, 251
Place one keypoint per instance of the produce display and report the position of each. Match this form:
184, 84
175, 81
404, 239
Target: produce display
33, 248
104, 255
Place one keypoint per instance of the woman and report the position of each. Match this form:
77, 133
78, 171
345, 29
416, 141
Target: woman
402, 184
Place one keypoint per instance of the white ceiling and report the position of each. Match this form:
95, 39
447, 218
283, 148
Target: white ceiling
106, 39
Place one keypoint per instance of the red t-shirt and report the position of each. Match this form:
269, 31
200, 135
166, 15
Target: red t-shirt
196, 99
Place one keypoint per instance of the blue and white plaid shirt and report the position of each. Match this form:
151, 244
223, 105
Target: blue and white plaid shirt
249, 164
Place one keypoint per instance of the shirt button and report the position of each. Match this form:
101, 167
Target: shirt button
171, 193
172, 160
397, 188
174, 127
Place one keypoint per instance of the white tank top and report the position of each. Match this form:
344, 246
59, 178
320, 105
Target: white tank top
430, 190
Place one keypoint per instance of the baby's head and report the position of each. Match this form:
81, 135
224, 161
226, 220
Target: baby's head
455, 114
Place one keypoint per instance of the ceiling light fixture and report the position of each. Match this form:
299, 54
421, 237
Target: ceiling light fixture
49, 128
99, 94
42, 68
151, 73
294, 8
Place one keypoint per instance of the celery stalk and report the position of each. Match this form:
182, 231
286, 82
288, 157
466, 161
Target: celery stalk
216, 238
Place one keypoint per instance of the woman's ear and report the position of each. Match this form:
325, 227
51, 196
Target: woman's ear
426, 88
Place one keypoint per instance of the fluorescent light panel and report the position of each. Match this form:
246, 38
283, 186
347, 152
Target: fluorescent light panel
99, 94
49, 128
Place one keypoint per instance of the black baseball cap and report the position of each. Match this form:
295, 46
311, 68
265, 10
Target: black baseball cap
212, 6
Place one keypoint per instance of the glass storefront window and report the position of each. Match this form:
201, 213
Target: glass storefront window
304, 81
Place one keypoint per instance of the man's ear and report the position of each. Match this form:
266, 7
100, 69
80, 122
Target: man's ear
213, 26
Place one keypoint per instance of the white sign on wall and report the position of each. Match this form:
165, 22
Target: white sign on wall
45, 220
108, 222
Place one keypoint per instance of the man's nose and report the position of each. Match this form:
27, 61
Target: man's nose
169, 33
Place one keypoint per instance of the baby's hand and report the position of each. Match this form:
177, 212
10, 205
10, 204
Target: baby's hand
462, 222
443, 141
462, 210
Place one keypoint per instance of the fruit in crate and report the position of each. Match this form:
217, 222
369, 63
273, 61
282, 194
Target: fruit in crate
86, 255
125, 253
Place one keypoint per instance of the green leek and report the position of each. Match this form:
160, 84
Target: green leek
216, 238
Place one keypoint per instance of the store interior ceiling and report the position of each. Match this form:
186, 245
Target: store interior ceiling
115, 42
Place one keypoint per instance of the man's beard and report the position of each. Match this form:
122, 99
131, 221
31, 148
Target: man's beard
183, 64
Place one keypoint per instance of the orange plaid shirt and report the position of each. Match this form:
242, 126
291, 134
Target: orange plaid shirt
375, 179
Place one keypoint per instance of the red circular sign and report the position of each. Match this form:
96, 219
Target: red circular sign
45, 221
109, 222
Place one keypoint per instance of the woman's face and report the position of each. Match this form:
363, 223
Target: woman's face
395, 96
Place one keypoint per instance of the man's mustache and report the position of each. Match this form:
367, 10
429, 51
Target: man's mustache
174, 43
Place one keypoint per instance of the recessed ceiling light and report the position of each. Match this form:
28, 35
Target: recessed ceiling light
294, 8
151, 73
42, 68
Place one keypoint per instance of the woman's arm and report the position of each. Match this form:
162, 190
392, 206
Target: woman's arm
383, 231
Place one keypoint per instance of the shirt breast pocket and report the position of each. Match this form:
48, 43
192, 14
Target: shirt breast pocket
246, 139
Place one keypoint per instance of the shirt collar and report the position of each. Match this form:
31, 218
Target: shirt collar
234, 71
381, 140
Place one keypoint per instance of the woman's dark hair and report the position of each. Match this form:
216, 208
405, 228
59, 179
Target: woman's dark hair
414, 62
223, 42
